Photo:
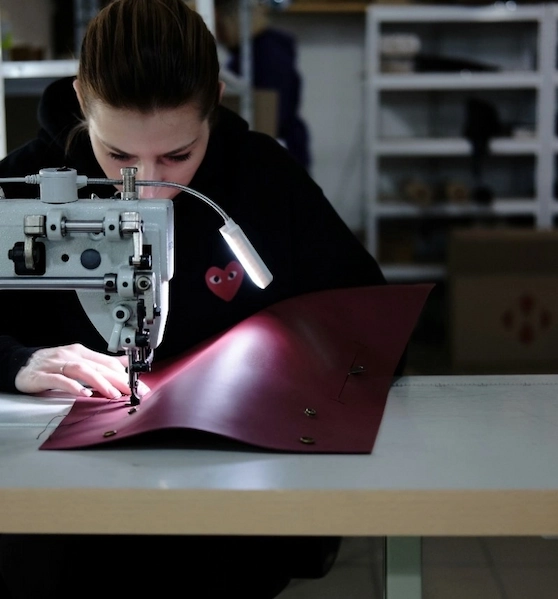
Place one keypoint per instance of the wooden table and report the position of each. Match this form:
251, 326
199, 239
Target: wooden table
455, 455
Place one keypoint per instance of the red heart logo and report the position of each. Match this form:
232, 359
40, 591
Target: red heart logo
225, 282
527, 319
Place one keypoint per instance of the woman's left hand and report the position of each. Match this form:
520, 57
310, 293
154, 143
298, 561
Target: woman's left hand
76, 370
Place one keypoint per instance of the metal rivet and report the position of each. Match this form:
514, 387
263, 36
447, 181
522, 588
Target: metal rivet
109, 433
307, 440
310, 412
357, 370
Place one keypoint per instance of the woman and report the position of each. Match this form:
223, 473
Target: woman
147, 95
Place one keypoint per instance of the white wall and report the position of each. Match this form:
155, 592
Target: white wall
331, 62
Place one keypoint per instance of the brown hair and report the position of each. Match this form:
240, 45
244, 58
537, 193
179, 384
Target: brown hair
149, 54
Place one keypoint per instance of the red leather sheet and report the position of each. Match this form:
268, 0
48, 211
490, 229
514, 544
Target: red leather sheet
279, 380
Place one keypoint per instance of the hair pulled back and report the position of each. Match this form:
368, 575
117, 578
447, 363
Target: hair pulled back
149, 54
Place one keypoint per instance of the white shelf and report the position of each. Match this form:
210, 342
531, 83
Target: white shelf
453, 146
413, 272
53, 69
497, 13
464, 80
399, 127
38, 69
512, 207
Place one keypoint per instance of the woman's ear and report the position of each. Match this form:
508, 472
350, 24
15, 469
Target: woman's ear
222, 86
78, 93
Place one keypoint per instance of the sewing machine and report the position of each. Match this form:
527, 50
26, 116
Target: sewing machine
116, 253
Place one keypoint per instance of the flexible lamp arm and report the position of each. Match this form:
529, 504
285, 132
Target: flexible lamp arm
231, 232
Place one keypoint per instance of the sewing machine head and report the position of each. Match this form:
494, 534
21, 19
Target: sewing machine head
117, 254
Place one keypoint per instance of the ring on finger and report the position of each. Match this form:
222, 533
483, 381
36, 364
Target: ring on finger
62, 368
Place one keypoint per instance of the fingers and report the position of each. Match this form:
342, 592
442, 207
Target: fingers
108, 381
76, 370
115, 363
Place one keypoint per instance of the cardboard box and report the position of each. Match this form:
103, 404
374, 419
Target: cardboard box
503, 292
265, 107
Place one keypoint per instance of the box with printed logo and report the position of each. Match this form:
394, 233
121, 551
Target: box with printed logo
503, 301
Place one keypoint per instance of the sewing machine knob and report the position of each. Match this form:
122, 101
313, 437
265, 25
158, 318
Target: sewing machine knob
90, 259
30, 260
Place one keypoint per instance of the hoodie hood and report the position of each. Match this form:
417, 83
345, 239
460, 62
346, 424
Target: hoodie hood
59, 111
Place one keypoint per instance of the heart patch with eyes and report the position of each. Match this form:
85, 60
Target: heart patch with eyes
224, 282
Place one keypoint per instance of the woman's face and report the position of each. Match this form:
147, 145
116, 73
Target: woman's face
166, 145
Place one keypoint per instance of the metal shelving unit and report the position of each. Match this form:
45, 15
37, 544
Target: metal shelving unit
527, 67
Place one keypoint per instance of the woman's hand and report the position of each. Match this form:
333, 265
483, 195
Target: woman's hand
74, 368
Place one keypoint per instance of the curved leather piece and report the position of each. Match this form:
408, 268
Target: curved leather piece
309, 374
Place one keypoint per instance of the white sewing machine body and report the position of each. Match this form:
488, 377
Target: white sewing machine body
84, 245
117, 254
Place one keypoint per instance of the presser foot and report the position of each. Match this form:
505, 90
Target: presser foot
134, 401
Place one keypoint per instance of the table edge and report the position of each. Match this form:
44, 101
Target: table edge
280, 512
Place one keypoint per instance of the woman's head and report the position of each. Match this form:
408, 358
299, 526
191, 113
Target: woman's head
148, 85
149, 54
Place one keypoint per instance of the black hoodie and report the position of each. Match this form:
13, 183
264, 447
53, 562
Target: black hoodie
294, 228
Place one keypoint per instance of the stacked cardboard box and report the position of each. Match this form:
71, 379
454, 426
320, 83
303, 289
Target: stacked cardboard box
503, 292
